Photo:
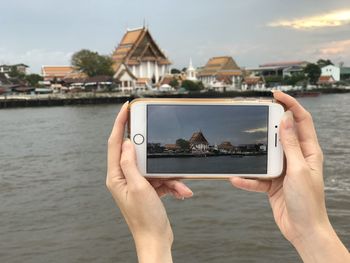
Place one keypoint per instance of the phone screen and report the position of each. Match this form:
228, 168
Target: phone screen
207, 139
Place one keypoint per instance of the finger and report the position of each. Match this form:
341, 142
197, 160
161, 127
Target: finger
179, 188
128, 164
116, 139
305, 127
290, 142
251, 184
163, 190
155, 183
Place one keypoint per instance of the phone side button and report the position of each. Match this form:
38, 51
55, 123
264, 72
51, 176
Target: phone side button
138, 139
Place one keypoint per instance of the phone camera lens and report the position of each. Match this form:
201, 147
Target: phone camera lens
275, 126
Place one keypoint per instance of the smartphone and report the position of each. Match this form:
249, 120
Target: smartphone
206, 138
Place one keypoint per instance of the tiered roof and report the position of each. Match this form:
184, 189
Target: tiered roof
56, 71
221, 66
198, 138
136, 46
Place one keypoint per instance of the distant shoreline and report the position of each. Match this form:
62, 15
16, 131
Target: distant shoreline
47, 100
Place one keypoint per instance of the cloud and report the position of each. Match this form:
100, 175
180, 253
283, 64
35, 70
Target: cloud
35, 58
335, 48
257, 130
333, 19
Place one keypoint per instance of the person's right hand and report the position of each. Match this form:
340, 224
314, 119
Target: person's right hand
297, 197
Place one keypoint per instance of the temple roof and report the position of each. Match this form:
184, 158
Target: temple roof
198, 138
56, 71
138, 45
220, 66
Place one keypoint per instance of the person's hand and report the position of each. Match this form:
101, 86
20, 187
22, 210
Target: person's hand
138, 199
297, 197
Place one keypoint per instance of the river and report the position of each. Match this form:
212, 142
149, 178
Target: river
54, 206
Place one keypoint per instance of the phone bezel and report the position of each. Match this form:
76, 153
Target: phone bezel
138, 125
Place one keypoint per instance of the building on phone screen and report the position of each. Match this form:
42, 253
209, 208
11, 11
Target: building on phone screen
198, 143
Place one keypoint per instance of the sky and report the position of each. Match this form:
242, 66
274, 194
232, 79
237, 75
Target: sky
236, 124
253, 32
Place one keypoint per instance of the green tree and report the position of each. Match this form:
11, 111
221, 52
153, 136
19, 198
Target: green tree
175, 71
183, 144
190, 85
294, 79
273, 80
174, 83
14, 73
33, 79
92, 64
324, 62
313, 72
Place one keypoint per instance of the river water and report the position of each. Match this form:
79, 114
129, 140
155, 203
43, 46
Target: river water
54, 206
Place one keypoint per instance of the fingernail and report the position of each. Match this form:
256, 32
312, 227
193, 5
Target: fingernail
288, 120
182, 198
125, 103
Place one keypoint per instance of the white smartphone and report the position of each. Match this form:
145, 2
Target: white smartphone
206, 138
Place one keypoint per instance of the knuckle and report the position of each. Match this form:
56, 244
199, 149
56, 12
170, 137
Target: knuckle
320, 155
125, 162
108, 184
138, 187
291, 141
308, 115
110, 141
301, 169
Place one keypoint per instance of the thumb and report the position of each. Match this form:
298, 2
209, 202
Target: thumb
290, 141
128, 163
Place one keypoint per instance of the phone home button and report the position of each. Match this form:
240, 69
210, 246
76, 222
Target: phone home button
138, 139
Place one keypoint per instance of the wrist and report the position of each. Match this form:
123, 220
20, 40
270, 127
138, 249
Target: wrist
150, 249
321, 245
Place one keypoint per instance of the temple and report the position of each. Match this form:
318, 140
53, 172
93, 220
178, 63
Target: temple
198, 143
221, 73
139, 63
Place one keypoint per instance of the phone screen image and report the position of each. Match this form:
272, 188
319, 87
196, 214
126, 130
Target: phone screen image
207, 139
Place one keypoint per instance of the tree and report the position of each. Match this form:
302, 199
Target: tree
174, 83
294, 79
190, 85
183, 144
313, 72
272, 81
324, 62
33, 79
175, 71
92, 64
14, 73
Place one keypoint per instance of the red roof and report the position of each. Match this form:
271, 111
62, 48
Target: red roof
326, 80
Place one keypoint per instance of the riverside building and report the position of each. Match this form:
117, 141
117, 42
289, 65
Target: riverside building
139, 63
221, 74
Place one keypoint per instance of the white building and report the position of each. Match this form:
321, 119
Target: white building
331, 70
191, 72
143, 58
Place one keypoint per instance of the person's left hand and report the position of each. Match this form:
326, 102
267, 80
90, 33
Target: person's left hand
137, 198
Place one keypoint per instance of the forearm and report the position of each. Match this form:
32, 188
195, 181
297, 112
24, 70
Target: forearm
153, 251
323, 246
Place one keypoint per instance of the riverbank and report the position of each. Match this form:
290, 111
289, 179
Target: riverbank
84, 98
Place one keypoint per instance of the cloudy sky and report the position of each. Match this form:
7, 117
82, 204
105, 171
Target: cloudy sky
221, 123
47, 32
